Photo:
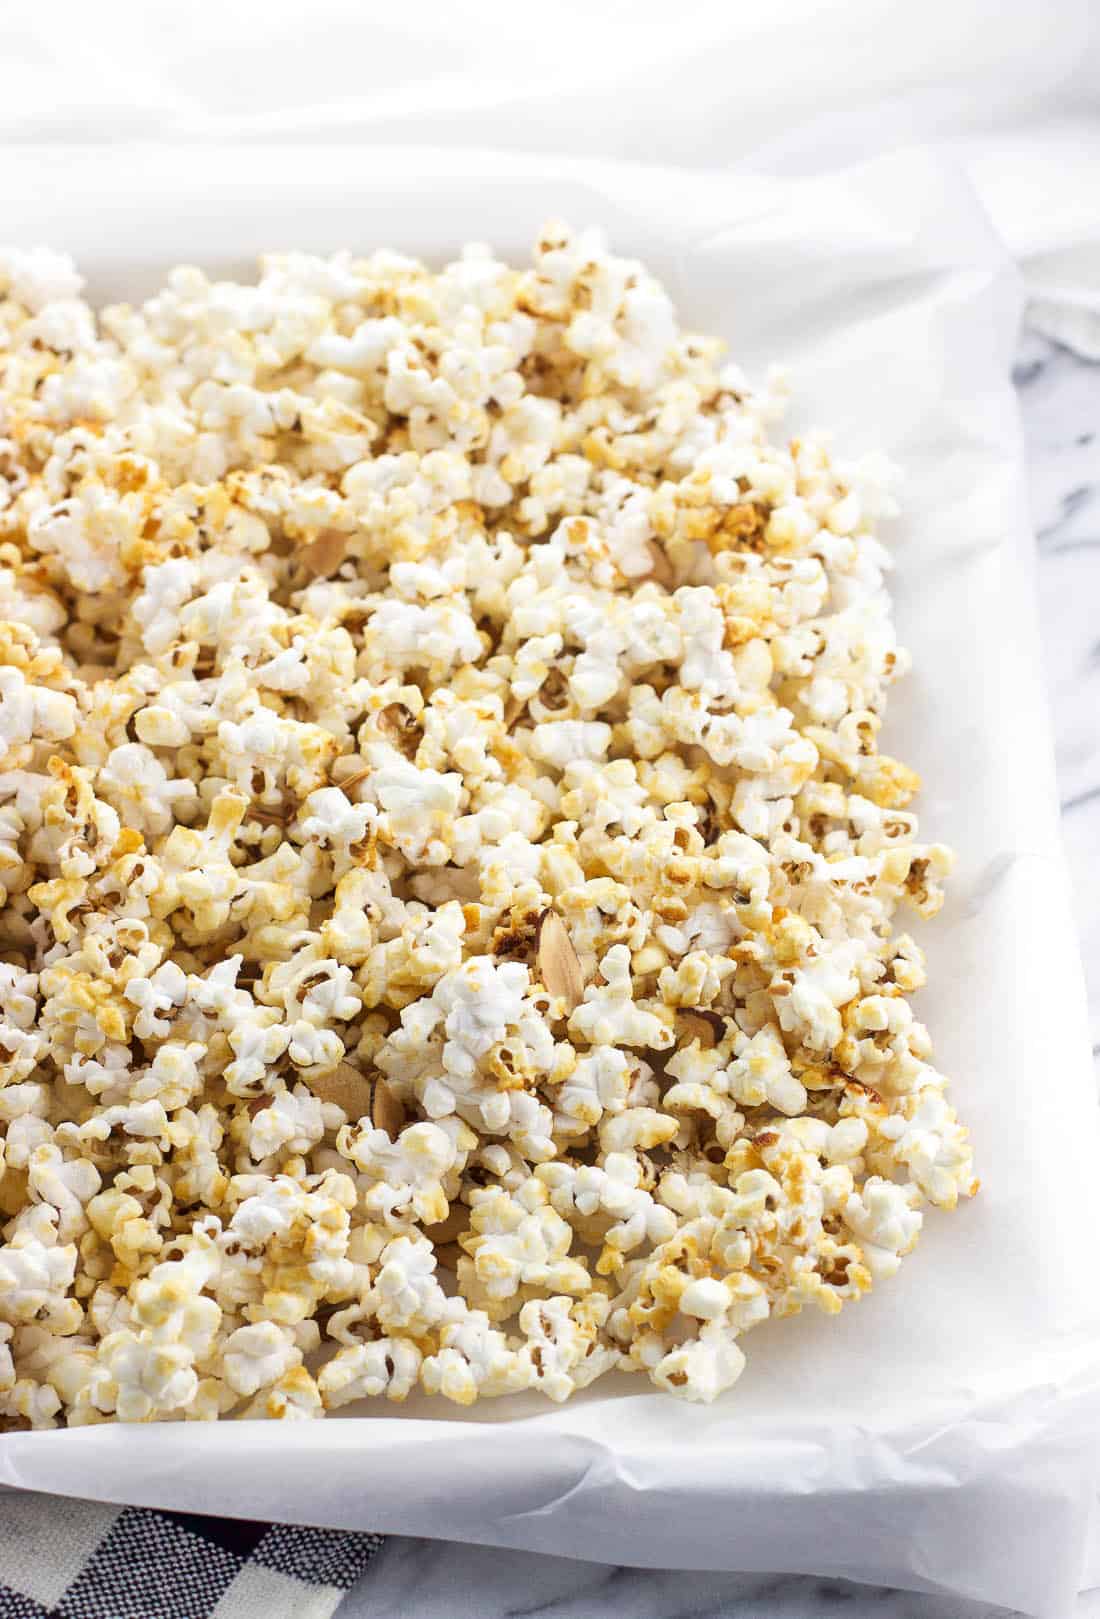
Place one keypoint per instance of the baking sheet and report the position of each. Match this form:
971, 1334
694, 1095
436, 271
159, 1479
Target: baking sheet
941, 1434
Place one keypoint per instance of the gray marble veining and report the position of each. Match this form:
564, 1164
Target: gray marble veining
419, 1579
1060, 399
416, 1579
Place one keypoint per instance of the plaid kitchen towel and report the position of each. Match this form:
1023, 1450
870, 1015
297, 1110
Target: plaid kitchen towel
68, 1559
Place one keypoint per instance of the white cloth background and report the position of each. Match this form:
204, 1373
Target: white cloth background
799, 86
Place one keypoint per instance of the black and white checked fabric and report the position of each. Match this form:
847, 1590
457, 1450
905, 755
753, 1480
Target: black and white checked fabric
68, 1559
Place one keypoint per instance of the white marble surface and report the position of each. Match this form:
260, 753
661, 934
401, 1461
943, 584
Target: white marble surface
420, 1579
1060, 397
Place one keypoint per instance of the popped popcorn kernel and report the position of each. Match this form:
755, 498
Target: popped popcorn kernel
448, 864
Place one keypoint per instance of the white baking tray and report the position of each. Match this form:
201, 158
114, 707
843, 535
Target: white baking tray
941, 1434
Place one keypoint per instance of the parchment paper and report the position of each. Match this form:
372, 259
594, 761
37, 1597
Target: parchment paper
942, 1434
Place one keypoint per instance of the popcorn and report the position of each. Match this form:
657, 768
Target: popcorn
475, 1361
448, 865
565, 1348
64, 1185
257, 1355
608, 1205
38, 277
517, 1242
598, 1083
701, 1368
294, 1398
761, 1073
406, 1296
36, 1272
331, 819
405, 1178
28, 711
137, 1380
609, 1016
293, 1121
388, 1366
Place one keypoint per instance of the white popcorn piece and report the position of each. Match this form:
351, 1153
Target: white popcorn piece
883, 1220
406, 1295
388, 1366
36, 1273
28, 712
138, 1379
761, 1073
563, 1338
475, 1361
702, 1368
608, 1204
518, 1242
405, 1178
295, 1397
292, 1122
256, 1356
38, 277
598, 1083
609, 1016
65, 1185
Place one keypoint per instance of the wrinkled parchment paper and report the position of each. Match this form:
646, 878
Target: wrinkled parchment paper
942, 1434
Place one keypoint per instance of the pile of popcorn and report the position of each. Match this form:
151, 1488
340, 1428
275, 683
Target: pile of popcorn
448, 870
